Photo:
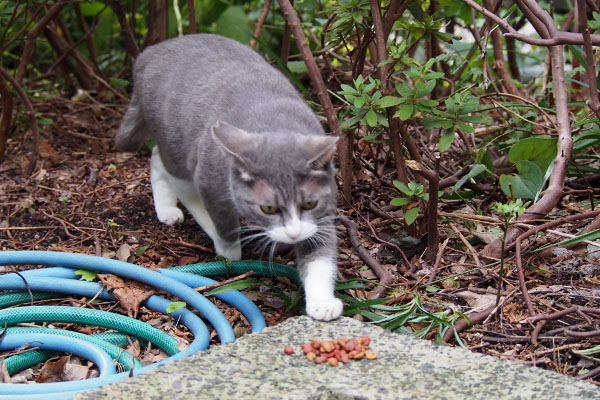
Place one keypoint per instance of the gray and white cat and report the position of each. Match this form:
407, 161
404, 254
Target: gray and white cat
235, 140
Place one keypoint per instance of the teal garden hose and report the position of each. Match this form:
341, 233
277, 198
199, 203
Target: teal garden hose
178, 281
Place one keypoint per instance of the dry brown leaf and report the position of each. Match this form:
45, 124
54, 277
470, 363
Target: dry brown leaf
186, 260
75, 372
47, 151
477, 301
130, 293
513, 312
124, 252
52, 371
4, 376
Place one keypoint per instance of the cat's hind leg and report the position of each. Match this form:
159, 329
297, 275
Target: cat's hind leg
165, 198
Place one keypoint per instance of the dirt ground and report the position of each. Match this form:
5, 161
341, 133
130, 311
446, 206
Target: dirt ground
86, 197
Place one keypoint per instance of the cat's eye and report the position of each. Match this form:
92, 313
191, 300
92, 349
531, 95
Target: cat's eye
269, 209
308, 205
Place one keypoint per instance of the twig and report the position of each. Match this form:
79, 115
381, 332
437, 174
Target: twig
30, 41
259, 24
593, 100
385, 277
559, 348
26, 284
225, 282
192, 16
345, 156
559, 38
35, 135
438, 259
585, 334
590, 374
7, 110
562, 313
130, 44
192, 246
467, 244
521, 275
463, 324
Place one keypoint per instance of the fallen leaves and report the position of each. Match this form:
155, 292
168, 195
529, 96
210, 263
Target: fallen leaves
63, 369
130, 293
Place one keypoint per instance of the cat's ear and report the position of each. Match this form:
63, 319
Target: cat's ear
320, 150
234, 141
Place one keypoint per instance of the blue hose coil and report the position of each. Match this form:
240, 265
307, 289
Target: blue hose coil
174, 282
78, 347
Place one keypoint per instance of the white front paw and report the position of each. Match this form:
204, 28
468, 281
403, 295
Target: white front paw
324, 309
169, 215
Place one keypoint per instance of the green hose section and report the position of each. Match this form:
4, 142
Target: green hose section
23, 361
119, 339
87, 316
13, 298
238, 267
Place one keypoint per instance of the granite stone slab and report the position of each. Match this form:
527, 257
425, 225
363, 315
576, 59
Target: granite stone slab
255, 367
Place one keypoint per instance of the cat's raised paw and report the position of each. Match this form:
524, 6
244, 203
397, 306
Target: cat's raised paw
169, 215
325, 309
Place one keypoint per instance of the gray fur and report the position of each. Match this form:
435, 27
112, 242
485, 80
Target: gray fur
238, 131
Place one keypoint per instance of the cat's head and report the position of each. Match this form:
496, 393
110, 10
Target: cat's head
282, 183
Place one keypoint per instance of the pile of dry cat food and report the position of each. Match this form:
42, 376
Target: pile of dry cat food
335, 351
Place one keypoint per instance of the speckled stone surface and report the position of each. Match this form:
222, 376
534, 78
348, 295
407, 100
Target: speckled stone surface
255, 367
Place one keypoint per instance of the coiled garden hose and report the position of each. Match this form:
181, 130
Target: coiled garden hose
25, 360
45, 341
176, 280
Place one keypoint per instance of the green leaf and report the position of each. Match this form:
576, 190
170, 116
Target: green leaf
429, 103
350, 285
353, 308
594, 23
237, 285
86, 275
434, 122
400, 201
118, 82
349, 123
371, 118
404, 111
45, 121
141, 251
593, 235
347, 89
374, 135
297, 67
402, 187
389, 101
359, 102
465, 127
526, 183
91, 8
475, 170
234, 23
447, 139
175, 305
424, 88
539, 149
411, 215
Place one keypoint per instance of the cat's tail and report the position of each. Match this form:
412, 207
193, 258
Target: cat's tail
132, 133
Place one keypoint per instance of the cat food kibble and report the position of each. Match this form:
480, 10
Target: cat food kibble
336, 351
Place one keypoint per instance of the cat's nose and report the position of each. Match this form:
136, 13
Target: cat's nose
293, 232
